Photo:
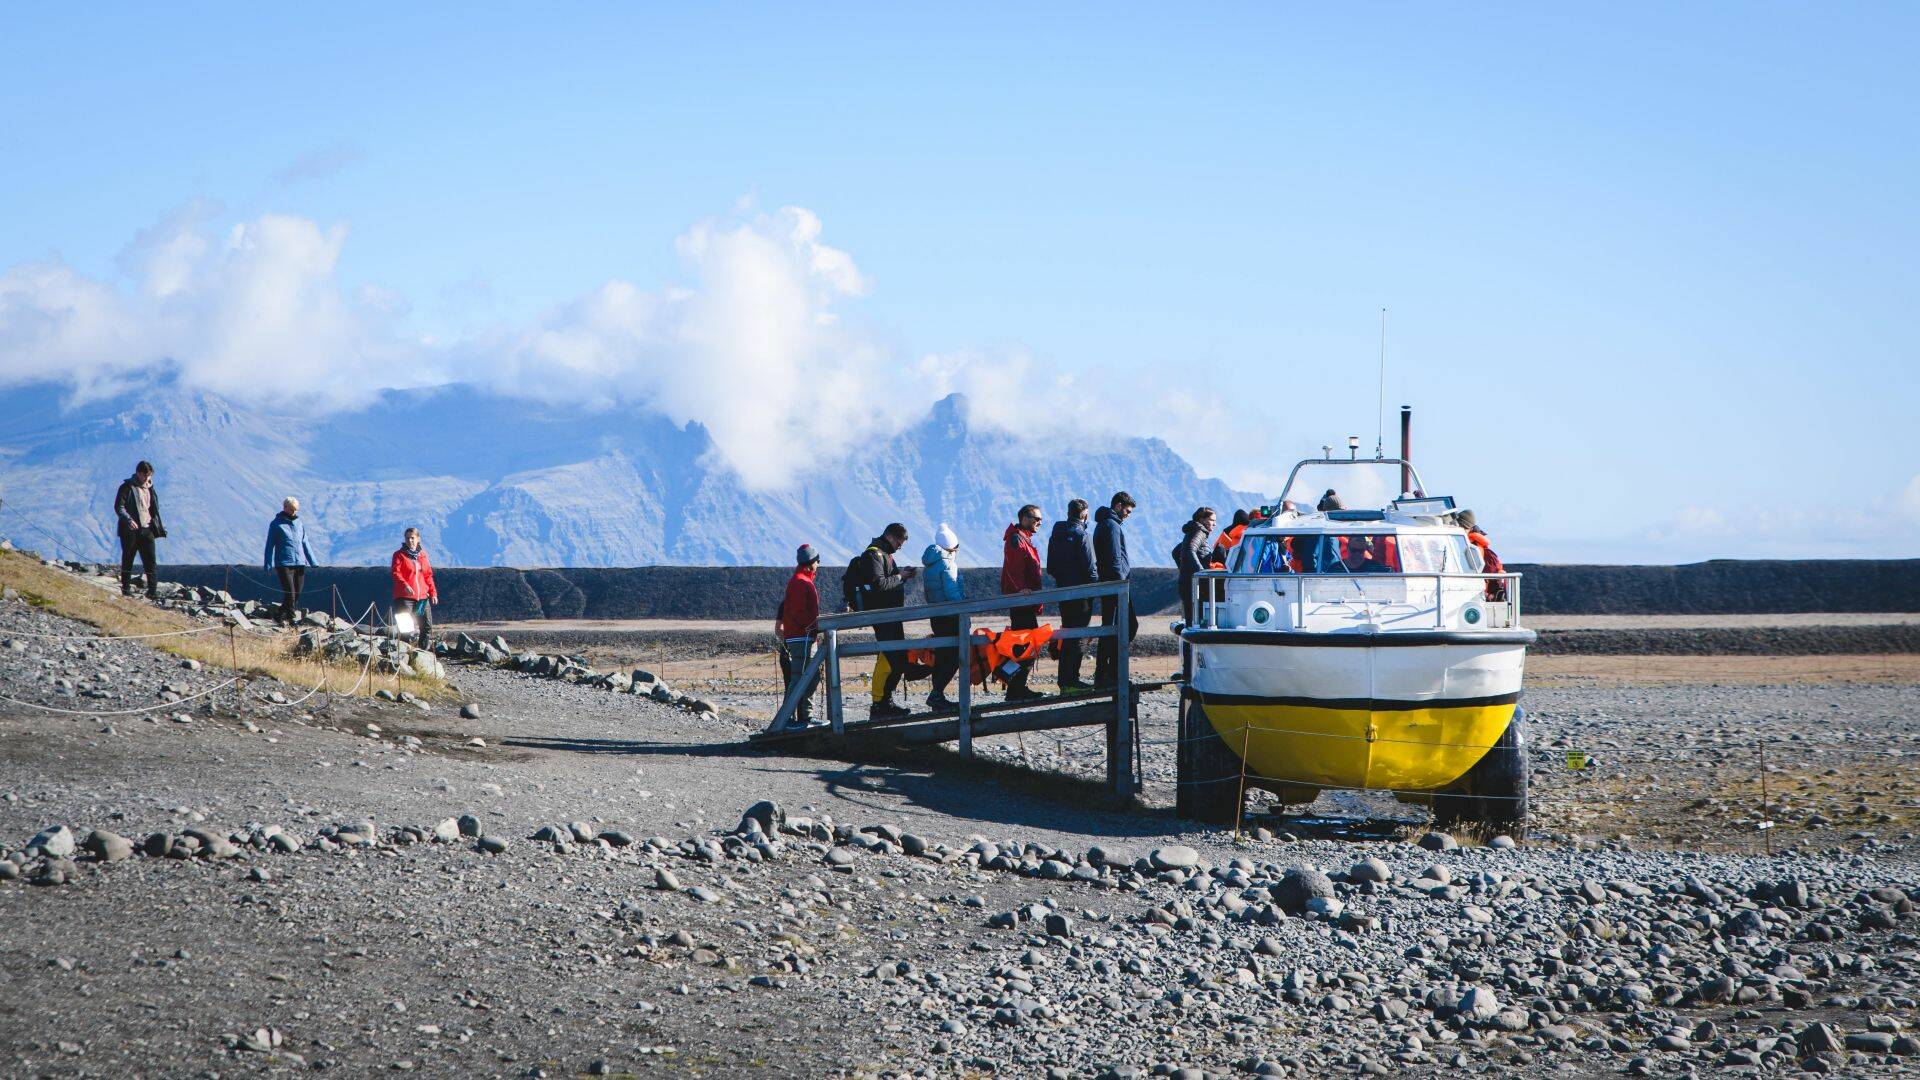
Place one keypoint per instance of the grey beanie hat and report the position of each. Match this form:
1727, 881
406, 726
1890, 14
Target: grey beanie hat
805, 555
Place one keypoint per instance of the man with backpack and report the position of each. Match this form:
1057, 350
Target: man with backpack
874, 582
1069, 563
1190, 558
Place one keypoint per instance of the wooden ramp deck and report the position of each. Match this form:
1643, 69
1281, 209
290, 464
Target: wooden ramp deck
1090, 709
1115, 708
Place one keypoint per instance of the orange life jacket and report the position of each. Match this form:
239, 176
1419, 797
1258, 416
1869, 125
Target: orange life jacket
999, 654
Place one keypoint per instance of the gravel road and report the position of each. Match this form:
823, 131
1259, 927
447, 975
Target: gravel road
564, 885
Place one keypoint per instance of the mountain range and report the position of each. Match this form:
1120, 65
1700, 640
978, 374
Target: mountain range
502, 481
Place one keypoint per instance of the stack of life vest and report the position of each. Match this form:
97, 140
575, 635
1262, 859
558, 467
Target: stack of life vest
996, 654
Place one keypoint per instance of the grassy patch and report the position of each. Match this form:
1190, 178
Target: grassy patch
63, 594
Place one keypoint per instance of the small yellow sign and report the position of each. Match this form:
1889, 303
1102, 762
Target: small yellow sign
1577, 760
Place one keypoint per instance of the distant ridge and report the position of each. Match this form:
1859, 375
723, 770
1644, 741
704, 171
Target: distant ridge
496, 481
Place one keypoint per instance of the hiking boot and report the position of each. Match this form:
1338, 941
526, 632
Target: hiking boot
938, 701
887, 709
1023, 693
1075, 686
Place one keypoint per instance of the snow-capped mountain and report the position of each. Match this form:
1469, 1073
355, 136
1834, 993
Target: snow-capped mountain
496, 481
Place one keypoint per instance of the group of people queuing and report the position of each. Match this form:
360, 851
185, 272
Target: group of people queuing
288, 555
1079, 551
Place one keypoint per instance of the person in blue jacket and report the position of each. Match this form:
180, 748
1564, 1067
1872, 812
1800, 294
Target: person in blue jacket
1112, 564
942, 583
289, 556
1069, 563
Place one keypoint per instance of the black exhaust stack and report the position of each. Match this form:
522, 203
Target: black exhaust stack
1406, 447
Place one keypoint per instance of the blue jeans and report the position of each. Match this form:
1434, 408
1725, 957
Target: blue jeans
794, 653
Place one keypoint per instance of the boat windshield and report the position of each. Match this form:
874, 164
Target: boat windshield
1353, 553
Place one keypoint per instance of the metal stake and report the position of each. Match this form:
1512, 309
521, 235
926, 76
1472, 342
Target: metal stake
965, 629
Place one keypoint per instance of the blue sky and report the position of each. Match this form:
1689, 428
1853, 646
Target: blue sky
1649, 266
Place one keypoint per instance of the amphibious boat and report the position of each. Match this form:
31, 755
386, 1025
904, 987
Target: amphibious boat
1356, 649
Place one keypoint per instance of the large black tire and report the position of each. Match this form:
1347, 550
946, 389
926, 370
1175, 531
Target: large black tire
1492, 796
1209, 788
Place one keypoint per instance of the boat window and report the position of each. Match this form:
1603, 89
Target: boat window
1435, 554
1352, 553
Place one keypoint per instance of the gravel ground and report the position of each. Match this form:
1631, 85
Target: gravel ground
358, 888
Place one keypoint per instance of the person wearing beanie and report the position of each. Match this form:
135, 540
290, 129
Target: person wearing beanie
941, 578
794, 627
1481, 551
1020, 573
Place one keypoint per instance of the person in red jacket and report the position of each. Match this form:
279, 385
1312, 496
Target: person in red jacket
1020, 573
1489, 562
794, 627
413, 589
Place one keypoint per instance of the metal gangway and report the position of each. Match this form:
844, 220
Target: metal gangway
1114, 707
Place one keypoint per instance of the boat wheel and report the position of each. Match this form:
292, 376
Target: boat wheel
1209, 788
1493, 794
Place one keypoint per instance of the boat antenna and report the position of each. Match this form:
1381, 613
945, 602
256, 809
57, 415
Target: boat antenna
1380, 409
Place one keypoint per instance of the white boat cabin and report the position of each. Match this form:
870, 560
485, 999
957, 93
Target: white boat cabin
1406, 567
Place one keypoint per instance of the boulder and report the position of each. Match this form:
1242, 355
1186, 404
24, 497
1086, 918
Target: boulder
1300, 885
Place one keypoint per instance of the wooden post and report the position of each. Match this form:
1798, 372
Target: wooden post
1120, 752
833, 683
966, 685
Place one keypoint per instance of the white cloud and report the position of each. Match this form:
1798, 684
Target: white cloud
256, 314
751, 344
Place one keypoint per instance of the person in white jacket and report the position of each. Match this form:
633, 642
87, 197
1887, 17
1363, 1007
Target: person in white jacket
942, 584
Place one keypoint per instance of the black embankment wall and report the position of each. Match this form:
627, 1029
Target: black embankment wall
1721, 587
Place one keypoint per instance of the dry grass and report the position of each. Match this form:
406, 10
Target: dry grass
63, 594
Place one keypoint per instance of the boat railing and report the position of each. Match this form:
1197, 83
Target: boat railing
1375, 595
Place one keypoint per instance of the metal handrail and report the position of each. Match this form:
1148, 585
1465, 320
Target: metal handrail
826, 660
852, 620
1418, 484
1207, 610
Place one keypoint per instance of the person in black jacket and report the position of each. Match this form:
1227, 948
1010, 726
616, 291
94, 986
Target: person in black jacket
873, 582
1190, 556
136, 510
1111, 564
1069, 563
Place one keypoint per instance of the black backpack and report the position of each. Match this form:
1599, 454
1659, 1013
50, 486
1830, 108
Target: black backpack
848, 590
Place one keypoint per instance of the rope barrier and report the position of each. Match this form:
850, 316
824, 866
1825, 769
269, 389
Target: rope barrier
35, 526
122, 712
110, 637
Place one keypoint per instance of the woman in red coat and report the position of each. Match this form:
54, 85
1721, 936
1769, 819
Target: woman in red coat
413, 589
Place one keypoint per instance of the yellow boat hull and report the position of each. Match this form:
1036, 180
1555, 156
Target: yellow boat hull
1423, 748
